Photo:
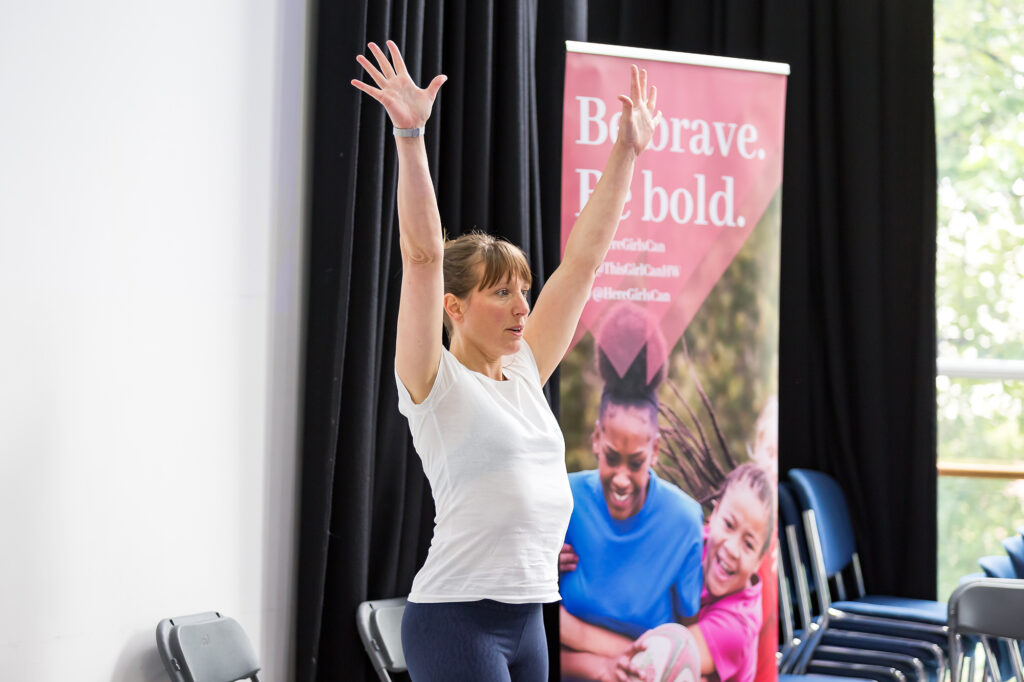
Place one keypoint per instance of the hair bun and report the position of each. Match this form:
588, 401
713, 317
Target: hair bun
621, 327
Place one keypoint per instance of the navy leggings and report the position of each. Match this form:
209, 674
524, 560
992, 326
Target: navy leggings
475, 641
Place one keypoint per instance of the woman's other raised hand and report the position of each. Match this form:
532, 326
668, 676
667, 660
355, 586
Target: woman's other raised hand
407, 105
640, 115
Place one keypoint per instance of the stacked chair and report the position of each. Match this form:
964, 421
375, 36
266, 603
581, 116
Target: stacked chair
802, 657
816, 539
818, 647
829, 532
830, 545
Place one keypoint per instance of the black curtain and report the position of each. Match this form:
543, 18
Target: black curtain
857, 320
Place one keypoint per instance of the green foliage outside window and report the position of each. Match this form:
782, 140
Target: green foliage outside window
979, 111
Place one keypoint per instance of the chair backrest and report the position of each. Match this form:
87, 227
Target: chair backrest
821, 494
987, 608
997, 566
1014, 546
205, 647
379, 623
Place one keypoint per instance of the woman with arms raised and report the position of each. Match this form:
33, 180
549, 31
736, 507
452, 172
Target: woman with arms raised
490, 446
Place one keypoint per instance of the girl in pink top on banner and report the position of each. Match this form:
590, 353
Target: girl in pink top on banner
736, 539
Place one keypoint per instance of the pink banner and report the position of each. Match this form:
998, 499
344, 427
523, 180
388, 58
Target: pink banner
697, 192
668, 395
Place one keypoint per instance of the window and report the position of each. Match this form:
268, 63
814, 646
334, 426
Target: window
979, 110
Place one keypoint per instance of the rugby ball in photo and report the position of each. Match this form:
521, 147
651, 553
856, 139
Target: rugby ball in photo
670, 655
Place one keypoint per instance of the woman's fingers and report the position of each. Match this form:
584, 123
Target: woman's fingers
625, 100
634, 83
435, 85
385, 65
652, 101
643, 83
371, 91
376, 75
396, 58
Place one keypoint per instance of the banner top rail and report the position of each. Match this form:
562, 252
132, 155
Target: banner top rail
677, 57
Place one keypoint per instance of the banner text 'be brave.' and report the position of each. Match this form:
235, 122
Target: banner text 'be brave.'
681, 136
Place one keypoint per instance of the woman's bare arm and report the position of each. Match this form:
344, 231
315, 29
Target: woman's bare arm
560, 304
418, 347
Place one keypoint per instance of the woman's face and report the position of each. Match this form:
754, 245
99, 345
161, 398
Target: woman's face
737, 531
494, 319
626, 443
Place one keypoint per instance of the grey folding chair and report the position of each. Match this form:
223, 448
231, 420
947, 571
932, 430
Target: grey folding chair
379, 622
989, 609
206, 647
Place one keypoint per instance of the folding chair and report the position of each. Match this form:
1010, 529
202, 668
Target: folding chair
206, 647
987, 608
830, 540
909, 657
790, 650
380, 627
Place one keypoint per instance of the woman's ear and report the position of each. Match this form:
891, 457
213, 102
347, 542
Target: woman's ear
453, 306
594, 436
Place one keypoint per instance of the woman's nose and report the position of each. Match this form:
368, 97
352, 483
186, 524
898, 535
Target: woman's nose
522, 305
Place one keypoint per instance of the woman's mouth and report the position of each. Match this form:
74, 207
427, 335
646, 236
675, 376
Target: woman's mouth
517, 331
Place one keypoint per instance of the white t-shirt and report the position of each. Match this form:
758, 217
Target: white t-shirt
495, 458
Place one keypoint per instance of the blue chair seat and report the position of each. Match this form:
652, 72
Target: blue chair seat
899, 608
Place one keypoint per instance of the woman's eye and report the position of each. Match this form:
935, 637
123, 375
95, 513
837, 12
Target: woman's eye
526, 293
502, 292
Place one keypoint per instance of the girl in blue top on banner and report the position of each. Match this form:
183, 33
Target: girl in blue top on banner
634, 543
491, 449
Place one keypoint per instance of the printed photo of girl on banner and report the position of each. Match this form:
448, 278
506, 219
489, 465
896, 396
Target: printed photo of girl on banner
669, 408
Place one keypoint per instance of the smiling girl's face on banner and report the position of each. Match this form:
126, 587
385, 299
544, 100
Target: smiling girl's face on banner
737, 537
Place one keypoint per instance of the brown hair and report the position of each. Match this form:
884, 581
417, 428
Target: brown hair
759, 480
501, 259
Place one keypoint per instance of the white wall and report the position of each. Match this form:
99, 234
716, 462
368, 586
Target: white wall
150, 315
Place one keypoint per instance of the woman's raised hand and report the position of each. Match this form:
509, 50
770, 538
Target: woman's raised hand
407, 105
640, 115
